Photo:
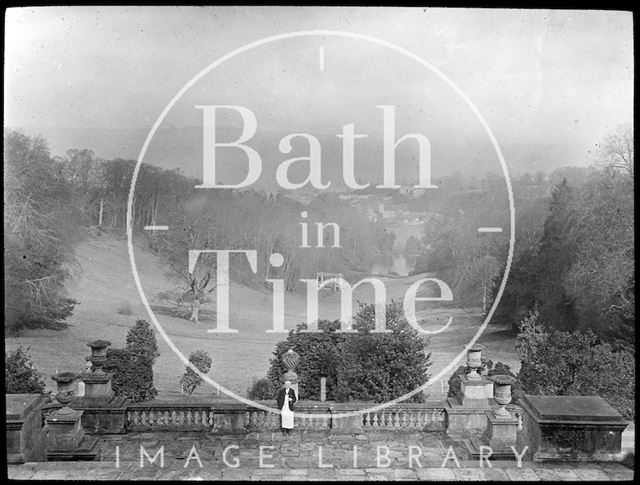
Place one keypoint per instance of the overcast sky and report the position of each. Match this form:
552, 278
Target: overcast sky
538, 76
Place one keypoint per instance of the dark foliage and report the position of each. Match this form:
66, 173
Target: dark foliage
20, 376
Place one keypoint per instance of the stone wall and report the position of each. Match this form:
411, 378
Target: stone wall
24, 428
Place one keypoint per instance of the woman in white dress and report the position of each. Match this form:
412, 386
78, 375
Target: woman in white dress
285, 399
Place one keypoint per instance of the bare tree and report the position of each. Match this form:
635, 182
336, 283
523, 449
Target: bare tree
617, 150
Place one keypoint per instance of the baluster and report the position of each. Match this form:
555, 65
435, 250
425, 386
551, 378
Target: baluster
404, 420
412, 419
396, 419
374, 423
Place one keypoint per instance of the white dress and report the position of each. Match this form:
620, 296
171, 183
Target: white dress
287, 414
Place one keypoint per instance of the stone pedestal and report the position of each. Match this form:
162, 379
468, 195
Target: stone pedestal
346, 425
571, 428
65, 438
104, 412
24, 431
464, 421
97, 386
468, 418
477, 393
501, 433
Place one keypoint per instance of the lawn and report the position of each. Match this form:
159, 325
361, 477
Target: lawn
110, 304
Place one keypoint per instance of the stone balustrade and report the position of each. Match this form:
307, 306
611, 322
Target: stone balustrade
233, 417
407, 417
168, 417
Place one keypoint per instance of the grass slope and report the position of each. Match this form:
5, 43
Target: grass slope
104, 285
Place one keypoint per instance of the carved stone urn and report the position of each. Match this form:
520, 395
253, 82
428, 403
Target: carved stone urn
98, 354
502, 393
474, 361
66, 392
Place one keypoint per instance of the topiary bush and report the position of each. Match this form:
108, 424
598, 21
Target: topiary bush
261, 389
132, 367
190, 380
20, 375
141, 340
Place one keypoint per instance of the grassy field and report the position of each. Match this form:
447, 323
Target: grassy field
104, 285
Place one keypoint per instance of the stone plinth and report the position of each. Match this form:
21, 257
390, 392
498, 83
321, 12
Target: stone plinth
349, 424
465, 421
572, 428
65, 439
477, 393
104, 412
97, 385
501, 432
24, 431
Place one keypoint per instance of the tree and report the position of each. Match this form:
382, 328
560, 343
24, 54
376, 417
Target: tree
320, 354
20, 375
141, 340
357, 366
617, 150
379, 367
190, 380
132, 367
40, 229
556, 255
575, 363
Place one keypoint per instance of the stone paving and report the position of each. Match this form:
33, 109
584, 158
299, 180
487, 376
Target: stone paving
303, 456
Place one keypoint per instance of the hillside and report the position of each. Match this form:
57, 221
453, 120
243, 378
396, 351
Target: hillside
102, 281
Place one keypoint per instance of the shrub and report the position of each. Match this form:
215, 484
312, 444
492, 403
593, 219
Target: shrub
357, 366
20, 376
487, 368
319, 357
190, 380
379, 367
575, 363
132, 376
141, 340
132, 367
261, 389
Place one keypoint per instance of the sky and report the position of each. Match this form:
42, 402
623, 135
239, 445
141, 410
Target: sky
550, 83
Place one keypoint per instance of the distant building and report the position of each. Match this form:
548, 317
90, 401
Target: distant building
331, 281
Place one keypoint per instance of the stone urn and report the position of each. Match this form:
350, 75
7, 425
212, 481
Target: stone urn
502, 393
98, 354
66, 392
474, 361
